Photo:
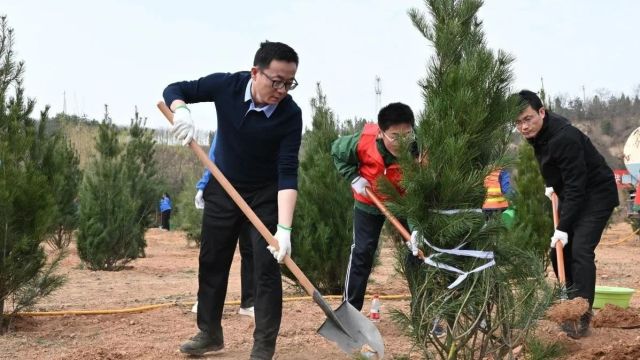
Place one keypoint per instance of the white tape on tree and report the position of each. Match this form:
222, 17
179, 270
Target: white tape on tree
457, 252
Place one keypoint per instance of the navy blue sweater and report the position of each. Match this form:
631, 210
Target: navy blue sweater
251, 148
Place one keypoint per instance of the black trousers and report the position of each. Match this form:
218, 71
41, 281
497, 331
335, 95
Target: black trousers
366, 234
221, 226
579, 254
246, 266
165, 216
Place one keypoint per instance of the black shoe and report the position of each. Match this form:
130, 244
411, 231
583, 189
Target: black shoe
201, 344
576, 329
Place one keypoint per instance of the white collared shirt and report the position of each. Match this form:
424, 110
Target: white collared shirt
267, 109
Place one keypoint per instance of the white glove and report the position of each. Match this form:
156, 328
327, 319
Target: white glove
561, 236
183, 128
412, 244
548, 191
283, 235
359, 184
199, 200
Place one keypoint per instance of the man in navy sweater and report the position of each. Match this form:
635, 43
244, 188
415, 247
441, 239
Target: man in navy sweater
257, 143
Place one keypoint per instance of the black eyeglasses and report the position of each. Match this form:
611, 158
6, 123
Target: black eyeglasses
279, 84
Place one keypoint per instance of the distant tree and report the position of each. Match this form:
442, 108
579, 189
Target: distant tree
61, 165
576, 105
187, 217
142, 174
109, 232
606, 127
26, 201
323, 217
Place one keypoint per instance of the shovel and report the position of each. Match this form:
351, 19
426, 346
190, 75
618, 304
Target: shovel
392, 219
346, 326
559, 250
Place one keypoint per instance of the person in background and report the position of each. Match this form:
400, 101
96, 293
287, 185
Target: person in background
498, 186
165, 212
246, 252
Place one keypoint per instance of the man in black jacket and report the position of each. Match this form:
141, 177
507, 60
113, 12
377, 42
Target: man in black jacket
573, 169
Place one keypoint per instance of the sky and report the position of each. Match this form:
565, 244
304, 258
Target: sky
124, 53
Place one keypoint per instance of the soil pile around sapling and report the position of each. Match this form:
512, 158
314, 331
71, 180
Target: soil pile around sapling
568, 310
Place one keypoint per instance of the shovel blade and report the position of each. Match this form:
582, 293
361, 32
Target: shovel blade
352, 331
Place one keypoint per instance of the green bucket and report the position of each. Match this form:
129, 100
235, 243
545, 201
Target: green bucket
612, 295
508, 217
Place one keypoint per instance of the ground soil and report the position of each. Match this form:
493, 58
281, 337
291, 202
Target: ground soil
168, 275
615, 316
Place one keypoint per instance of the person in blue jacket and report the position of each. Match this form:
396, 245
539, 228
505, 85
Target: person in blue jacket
246, 251
165, 211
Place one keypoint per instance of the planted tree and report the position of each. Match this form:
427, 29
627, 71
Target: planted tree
486, 299
322, 236
142, 175
61, 166
27, 203
109, 232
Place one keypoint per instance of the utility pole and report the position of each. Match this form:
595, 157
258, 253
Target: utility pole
106, 113
584, 95
64, 103
378, 91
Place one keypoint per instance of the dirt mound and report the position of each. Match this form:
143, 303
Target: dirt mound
617, 351
612, 316
568, 310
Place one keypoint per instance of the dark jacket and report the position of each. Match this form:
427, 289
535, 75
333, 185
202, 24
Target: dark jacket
574, 168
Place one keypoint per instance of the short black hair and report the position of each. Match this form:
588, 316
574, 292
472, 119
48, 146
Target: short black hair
270, 51
394, 114
529, 98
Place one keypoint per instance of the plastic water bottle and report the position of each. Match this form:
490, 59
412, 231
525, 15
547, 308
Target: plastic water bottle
374, 313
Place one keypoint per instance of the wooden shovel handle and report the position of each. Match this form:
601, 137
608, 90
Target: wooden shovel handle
392, 219
235, 196
559, 248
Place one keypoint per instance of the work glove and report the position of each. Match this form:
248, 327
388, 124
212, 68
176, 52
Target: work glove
561, 236
412, 244
359, 184
283, 235
183, 128
199, 200
548, 191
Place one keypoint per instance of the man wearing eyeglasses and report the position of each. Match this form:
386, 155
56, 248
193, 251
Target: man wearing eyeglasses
364, 158
257, 143
573, 169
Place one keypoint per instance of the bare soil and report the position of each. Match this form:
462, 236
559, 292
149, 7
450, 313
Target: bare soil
615, 316
168, 275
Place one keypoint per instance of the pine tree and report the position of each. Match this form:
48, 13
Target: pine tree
533, 209
109, 231
321, 235
465, 126
27, 204
61, 166
187, 217
142, 174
